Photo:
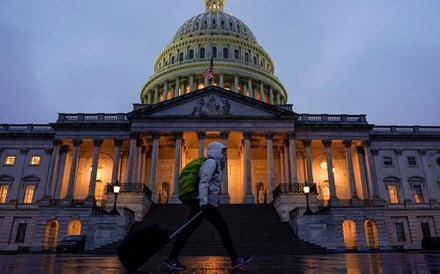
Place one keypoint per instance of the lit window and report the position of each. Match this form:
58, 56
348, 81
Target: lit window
35, 161
412, 161
387, 161
392, 191
28, 194
418, 196
400, 232
3, 193
10, 160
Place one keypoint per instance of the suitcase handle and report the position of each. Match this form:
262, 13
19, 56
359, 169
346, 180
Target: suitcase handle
184, 225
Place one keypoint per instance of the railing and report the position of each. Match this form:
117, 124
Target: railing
406, 130
322, 211
131, 187
26, 128
292, 188
330, 118
93, 117
130, 214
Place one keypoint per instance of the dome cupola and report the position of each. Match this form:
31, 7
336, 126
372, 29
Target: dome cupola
240, 64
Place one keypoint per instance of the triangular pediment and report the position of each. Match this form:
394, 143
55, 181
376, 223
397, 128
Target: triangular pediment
211, 102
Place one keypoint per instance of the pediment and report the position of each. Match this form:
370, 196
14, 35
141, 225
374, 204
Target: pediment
211, 102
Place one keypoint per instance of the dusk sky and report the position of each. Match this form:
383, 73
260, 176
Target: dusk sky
377, 57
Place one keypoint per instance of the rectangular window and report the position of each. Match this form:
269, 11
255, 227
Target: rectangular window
400, 232
28, 194
392, 191
35, 161
3, 193
387, 161
412, 161
426, 232
10, 160
21, 233
418, 195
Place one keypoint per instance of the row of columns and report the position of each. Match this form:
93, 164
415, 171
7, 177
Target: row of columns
287, 164
153, 96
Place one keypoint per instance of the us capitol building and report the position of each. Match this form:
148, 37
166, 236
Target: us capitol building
371, 186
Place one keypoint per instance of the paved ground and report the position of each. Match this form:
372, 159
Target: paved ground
330, 263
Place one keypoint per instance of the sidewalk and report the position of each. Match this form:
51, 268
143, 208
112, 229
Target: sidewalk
36, 263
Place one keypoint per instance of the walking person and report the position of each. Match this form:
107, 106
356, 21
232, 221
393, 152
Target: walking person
207, 200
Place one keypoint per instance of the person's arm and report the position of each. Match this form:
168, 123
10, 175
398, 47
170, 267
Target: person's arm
205, 174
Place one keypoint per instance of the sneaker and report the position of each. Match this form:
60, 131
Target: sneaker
174, 264
241, 261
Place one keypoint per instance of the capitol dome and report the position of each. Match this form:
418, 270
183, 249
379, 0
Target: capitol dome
240, 63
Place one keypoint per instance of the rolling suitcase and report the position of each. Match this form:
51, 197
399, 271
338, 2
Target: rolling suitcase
143, 241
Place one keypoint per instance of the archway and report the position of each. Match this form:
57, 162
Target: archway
50, 235
371, 235
74, 228
350, 237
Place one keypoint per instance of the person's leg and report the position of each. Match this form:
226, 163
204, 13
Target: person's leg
180, 241
217, 220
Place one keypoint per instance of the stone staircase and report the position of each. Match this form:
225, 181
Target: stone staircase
255, 229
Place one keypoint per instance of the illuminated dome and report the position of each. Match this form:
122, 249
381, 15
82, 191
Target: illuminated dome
240, 63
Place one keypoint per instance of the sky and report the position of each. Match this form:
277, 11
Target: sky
377, 57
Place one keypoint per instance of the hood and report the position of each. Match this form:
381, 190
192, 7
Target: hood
215, 151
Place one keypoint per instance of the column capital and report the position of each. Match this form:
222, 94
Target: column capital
139, 142
269, 135
307, 142
48, 150
224, 135
77, 142
398, 151
178, 134
360, 149
347, 143
97, 142
134, 134
201, 135
327, 142
291, 135
64, 149
247, 135
375, 151
118, 142
423, 152
366, 143
57, 142
155, 135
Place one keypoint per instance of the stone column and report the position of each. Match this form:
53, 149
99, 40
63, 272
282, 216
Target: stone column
222, 81
201, 136
165, 91
307, 144
271, 95
72, 175
282, 171
137, 162
206, 82
132, 157
433, 192
248, 196
250, 89
92, 184
156, 94
352, 182
334, 201
363, 172
60, 170
176, 90
292, 158
288, 177
278, 98
372, 171
236, 83
224, 197
262, 91
191, 82
270, 167
406, 190
177, 164
49, 191
149, 97
154, 157
116, 154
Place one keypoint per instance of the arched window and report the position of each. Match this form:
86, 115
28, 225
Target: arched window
74, 228
350, 236
181, 57
246, 57
191, 54
50, 235
236, 54
214, 52
255, 60
173, 59
225, 53
202, 53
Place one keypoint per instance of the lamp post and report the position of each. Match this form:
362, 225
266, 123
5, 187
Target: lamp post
307, 191
116, 189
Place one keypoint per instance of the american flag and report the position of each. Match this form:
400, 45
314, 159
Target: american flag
209, 73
